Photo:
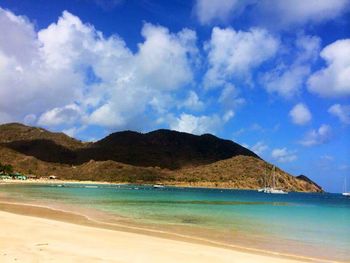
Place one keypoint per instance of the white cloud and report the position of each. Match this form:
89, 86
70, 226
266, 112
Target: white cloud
160, 67
71, 63
333, 80
283, 155
71, 132
208, 11
30, 119
197, 124
259, 147
26, 72
192, 101
232, 54
228, 115
229, 98
274, 13
163, 58
67, 115
288, 80
297, 12
20, 41
300, 114
341, 111
307, 48
318, 136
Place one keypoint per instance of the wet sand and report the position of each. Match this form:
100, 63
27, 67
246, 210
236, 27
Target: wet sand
41, 234
34, 239
93, 219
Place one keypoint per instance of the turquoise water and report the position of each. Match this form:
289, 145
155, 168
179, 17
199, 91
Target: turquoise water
316, 225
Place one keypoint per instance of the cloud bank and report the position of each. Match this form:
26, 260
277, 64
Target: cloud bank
71, 74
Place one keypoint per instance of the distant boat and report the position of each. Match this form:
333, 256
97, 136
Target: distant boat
265, 188
273, 190
345, 193
158, 186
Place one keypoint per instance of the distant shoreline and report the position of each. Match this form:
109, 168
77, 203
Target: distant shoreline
203, 185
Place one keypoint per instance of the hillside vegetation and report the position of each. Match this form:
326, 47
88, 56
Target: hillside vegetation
161, 156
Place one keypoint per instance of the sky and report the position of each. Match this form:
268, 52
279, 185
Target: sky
271, 75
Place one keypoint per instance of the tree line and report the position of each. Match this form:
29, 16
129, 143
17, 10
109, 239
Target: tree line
6, 168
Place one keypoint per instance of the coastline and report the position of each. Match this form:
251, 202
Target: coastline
180, 184
91, 217
19, 209
140, 240
55, 181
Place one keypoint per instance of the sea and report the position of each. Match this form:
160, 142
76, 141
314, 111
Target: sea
311, 225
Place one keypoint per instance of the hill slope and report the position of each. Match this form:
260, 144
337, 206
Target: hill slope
163, 148
244, 172
160, 156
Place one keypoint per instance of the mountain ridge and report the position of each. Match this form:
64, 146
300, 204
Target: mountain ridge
159, 156
163, 148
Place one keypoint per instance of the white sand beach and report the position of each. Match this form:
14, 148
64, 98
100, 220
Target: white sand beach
33, 239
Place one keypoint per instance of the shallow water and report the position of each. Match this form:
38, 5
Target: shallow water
316, 225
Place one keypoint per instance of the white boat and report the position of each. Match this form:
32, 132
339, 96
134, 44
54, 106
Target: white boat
345, 188
276, 191
273, 190
265, 189
158, 186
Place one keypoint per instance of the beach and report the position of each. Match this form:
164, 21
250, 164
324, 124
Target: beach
33, 239
65, 223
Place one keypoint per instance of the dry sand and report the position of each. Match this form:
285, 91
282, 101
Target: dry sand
33, 239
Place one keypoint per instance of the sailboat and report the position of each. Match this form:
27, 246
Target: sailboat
345, 187
265, 188
273, 190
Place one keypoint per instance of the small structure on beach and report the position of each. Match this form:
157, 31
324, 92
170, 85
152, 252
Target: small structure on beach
18, 176
52, 177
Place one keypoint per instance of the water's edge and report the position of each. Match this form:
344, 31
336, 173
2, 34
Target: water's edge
33, 210
77, 212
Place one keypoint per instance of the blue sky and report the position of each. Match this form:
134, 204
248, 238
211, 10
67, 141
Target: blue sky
271, 75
